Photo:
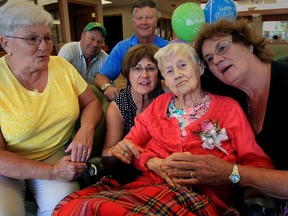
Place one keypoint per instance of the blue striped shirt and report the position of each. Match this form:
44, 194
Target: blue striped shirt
72, 53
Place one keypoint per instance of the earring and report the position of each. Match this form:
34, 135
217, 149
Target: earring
9, 53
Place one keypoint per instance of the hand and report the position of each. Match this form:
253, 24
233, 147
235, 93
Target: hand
154, 165
206, 169
82, 145
125, 150
65, 170
111, 92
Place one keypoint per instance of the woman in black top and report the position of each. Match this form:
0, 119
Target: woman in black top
238, 57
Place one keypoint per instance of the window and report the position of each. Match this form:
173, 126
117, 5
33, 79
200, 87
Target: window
276, 30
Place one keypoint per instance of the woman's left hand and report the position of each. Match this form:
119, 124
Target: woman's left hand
81, 146
154, 164
189, 169
177, 168
125, 151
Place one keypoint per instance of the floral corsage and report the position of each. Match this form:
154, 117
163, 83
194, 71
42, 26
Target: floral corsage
212, 134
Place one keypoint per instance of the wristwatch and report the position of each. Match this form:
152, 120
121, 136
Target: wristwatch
235, 176
104, 86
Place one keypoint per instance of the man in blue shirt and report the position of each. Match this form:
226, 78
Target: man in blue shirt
144, 15
87, 55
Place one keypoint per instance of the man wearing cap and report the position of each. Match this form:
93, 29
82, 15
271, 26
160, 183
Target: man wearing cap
144, 15
87, 55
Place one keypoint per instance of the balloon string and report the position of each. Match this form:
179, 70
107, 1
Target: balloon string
211, 1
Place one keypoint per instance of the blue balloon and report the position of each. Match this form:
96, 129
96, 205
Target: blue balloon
220, 9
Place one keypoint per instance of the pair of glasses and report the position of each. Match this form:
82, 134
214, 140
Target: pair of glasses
34, 40
220, 49
139, 70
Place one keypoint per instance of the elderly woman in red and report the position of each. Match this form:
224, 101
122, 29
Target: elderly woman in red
187, 120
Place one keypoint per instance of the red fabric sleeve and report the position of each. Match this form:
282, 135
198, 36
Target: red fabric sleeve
243, 140
140, 136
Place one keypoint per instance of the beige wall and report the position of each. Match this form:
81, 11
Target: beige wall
124, 11
257, 21
64, 4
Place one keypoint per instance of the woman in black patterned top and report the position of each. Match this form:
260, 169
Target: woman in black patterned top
143, 86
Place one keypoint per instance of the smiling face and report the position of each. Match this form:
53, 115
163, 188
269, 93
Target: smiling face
144, 21
143, 77
181, 74
30, 57
228, 66
91, 42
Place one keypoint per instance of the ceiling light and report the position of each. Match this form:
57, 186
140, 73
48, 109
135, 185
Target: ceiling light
105, 2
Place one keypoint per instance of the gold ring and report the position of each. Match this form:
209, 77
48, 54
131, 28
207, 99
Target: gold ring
192, 174
123, 152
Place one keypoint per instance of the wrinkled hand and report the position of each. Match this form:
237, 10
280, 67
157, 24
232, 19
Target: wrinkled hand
207, 169
65, 170
82, 145
125, 150
111, 92
154, 164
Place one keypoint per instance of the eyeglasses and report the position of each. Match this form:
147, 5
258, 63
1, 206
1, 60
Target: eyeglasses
220, 49
34, 40
139, 70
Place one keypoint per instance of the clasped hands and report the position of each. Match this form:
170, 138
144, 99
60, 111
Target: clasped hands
81, 145
74, 165
174, 169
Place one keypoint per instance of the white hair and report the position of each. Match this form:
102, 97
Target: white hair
22, 13
173, 49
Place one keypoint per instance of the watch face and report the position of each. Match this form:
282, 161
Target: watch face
234, 178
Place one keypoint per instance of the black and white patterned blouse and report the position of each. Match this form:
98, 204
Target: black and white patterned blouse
128, 108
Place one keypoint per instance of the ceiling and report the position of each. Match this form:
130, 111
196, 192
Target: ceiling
241, 5
170, 5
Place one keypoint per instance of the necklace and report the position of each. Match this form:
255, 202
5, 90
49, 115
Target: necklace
35, 89
248, 105
141, 104
30, 86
